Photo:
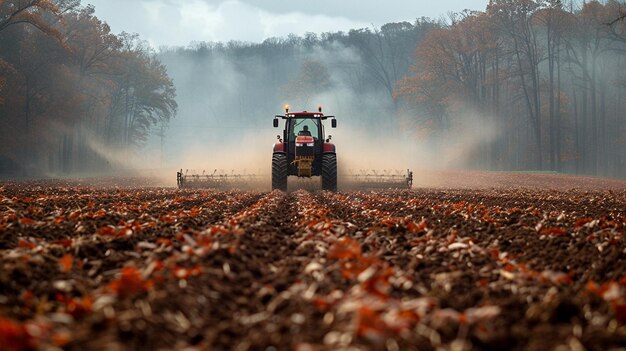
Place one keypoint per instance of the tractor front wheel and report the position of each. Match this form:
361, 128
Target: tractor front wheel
329, 172
279, 172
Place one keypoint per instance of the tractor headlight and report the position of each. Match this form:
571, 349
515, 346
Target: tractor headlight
299, 144
310, 144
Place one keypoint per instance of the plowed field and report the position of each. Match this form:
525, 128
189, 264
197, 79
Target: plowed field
473, 268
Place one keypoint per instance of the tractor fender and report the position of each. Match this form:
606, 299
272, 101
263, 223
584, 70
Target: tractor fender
329, 148
279, 147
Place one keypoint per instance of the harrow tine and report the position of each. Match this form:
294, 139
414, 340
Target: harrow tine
218, 179
386, 178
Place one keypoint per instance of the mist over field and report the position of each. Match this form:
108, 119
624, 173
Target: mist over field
227, 107
228, 97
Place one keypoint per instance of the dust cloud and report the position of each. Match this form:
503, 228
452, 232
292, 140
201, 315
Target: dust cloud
226, 108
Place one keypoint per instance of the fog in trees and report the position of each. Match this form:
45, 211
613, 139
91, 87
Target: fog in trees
75, 97
229, 93
548, 74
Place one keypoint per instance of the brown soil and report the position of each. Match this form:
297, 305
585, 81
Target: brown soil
474, 268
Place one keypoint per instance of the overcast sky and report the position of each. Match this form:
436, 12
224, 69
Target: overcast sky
179, 22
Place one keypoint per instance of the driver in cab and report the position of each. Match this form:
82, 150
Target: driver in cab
305, 131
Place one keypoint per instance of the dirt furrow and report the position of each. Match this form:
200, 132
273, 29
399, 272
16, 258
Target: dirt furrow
149, 268
458, 260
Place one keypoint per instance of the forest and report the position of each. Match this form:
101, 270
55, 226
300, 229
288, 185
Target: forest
550, 75
74, 96
523, 85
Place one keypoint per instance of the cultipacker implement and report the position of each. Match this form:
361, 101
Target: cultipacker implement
365, 179
216, 179
303, 151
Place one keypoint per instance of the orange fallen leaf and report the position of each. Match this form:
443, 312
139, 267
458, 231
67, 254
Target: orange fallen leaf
61, 339
27, 200
582, 221
321, 303
27, 221
168, 219
66, 262
164, 241
370, 324
74, 215
554, 231
195, 211
59, 219
416, 228
459, 205
378, 283
593, 287
14, 336
78, 308
107, 230
100, 213
345, 248
26, 244
129, 283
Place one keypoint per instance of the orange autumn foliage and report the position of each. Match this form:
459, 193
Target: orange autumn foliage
65, 263
27, 221
14, 336
554, 231
129, 283
370, 324
26, 244
345, 248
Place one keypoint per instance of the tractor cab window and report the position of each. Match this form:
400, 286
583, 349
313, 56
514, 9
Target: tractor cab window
305, 126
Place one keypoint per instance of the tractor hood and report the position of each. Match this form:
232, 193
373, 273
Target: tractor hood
303, 139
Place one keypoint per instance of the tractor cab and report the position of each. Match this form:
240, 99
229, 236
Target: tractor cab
303, 133
302, 150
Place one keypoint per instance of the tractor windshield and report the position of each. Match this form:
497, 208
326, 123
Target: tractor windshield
305, 126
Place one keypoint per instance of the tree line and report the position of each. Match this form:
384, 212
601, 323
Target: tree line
73, 96
532, 84
524, 85
551, 75
235, 85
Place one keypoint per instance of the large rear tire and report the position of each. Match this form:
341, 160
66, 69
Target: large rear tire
329, 172
279, 172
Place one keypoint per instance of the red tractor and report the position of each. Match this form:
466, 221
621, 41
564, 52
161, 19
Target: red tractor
303, 150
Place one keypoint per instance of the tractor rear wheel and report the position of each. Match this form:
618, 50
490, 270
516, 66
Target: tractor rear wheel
329, 172
279, 172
